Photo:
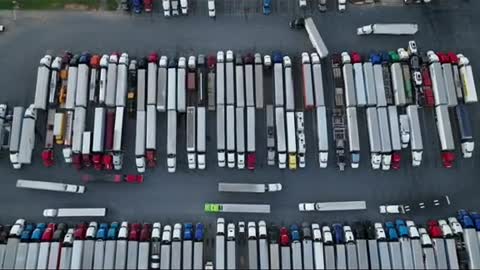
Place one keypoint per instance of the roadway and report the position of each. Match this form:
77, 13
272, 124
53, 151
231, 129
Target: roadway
181, 196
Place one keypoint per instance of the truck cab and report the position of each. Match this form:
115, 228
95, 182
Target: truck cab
267, 7
211, 8
184, 6
166, 8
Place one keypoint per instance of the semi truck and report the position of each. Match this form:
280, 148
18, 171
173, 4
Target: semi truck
278, 80
322, 136
83, 72
144, 247
110, 246
221, 135
253, 188
165, 247
133, 243
416, 142
281, 137
315, 38
198, 247
301, 144
230, 128
98, 137
445, 135
289, 94
79, 122
94, 78
398, 85
353, 137
140, 142
27, 138
151, 136
152, 82
388, 29
117, 138
349, 81
54, 81
438, 82
220, 244
239, 83
15, 133
317, 80
369, 78
77, 246
162, 84
67, 142
361, 95
176, 259
72, 82
450, 89
107, 159
122, 81
395, 137
291, 140
171, 141
141, 85
240, 136
191, 137
465, 130
236, 208
55, 246
252, 246
249, 81
307, 82
51, 186
374, 138
251, 152
102, 83
201, 137
378, 80
258, 81
407, 74
121, 248
75, 212
43, 79
111, 88
220, 78
385, 138
187, 252
181, 87
89, 245
270, 116
468, 82
52, 131
99, 246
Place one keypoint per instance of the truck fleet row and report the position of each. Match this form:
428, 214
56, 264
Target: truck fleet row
392, 86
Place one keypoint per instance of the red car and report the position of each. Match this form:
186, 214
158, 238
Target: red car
211, 62
448, 159
47, 158
146, 232
251, 161
434, 229
134, 234
148, 4
284, 237
396, 159
48, 233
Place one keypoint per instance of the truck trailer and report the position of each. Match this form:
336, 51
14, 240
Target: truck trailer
230, 133
15, 136
83, 73
322, 136
240, 136
281, 137
348, 81
438, 82
359, 79
117, 138
258, 81
191, 137
111, 88
151, 136
385, 138
181, 84
43, 82
152, 71
374, 138
445, 135
416, 142
353, 137
315, 38
307, 82
140, 141
466, 74
251, 150
122, 81
317, 80
27, 138
72, 82
162, 84
465, 130
171, 141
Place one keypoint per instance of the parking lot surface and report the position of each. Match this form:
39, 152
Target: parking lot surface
181, 196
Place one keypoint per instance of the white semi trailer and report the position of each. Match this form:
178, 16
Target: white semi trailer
43, 79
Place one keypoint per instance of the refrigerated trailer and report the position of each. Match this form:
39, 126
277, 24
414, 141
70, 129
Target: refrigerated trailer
220, 250
249, 84
348, 81
43, 79
221, 135
152, 82
15, 133
317, 80
445, 135
122, 81
27, 138
281, 137
111, 88
72, 82
398, 85
466, 73
140, 142
438, 82
291, 140
353, 137
102, 83
231, 254
220, 76
374, 138
172, 86
307, 82
151, 136
191, 137
117, 138
258, 81
465, 130
278, 83
385, 138
450, 89
79, 122
370, 90
289, 94
395, 136
98, 137
229, 80
359, 80
141, 85
315, 38
301, 144
162, 84
83, 72
322, 136
230, 133
251, 151
378, 81
240, 136
181, 84
416, 142
239, 84
171, 141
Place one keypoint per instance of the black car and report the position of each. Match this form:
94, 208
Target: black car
298, 24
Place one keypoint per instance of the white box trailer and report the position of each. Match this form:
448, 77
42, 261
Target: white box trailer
258, 81
72, 83
140, 141
240, 136
398, 84
289, 94
122, 81
263, 252
220, 74
416, 142
181, 85
32, 255
99, 130
141, 88
102, 84
444, 128
201, 137
317, 80
110, 93
349, 82
81, 94
162, 84
229, 80
315, 38
117, 138
450, 89
465, 130
286, 258
43, 82
394, 128
152, 82
385, 138
307, 247
220, 250
132, 254
151, 135
274, 256
322, 136
198, 254
27, 139
388, 29
79, 122
369, 84
252, 253
230, 133
251, 130
249, 86
221, 135
51, 186
281, 137
21, 256
438, 82
15, 134
379, 85
466, 73
374, 138
250, 188
143, 254
176, 259
270, 116
191, 137
231, 254
239, 84
171, 141
67, 143
353, 137
359, 84
278, 84
291, 138
307, 82
187, 254
172, 87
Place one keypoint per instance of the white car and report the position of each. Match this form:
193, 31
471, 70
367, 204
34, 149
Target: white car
177, 232
262, 229
306, 207
392, 209
221, 226
317, 234
211, 8
380, 232
267, 60
17, 229
327, 235
231, 231
167, 234
252, 230
91, 230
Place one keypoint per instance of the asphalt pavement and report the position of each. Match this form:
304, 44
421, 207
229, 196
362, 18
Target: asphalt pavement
181, 196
